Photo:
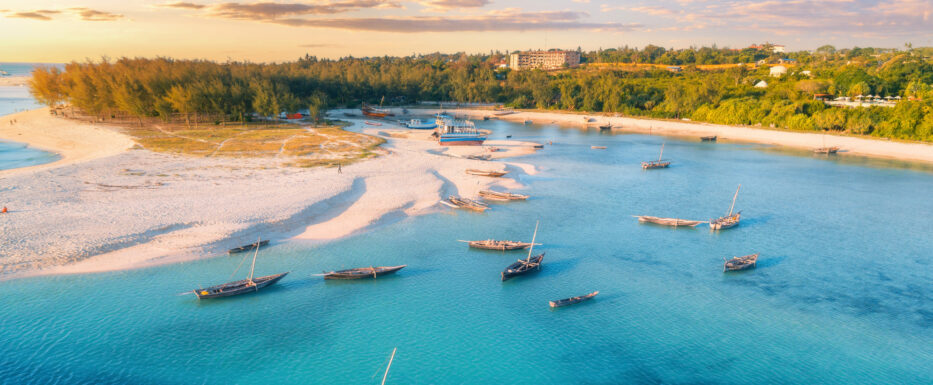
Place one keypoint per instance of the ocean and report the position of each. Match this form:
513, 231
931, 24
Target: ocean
16, 99
841, 293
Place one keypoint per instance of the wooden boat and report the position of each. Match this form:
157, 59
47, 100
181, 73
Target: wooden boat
598, 147
492, 244
527, 121
363, 272
501, 196
372, 123
473, 171
826, 150
480, 157
375, 112
730, 220
606, 126
572, 300
656, 163
708, 138
527, 265
741, 263
248, 247
676, 222
248, 285
464, 203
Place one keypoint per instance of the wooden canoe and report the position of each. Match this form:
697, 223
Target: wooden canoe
501, 196
655, 164
238, 287
598, 147
741, 263
492, 244
248, 247
676, 222
572, 300
473, 171
708, 138
363, 272
464, 203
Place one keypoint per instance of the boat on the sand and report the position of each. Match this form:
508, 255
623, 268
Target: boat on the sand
501, 196
464, 203
248, 247
492, 173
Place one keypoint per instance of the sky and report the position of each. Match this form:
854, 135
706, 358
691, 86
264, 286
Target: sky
58, 31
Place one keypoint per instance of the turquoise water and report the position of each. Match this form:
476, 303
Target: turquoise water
842, 293
12, 100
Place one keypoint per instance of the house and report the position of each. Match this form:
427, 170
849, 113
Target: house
674, 68
777, 48
778, 71
787, 61
761, 84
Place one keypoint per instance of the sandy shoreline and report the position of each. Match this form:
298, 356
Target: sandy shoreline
918, 152
105, 206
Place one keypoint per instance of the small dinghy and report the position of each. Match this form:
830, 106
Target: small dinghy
708, 138
492, 244
464, 203
572, 300
248, 285
492, 173
524, 266
502, 196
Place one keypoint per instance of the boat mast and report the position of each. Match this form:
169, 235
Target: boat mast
662, 152
733, 200
533, 240
253, 266
388, 366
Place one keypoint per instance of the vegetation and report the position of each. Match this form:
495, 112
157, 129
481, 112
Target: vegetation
711, 87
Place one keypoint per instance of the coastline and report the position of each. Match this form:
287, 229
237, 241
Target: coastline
876, 148
105, 207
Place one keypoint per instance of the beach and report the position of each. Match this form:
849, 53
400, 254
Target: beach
106, 205
918, 152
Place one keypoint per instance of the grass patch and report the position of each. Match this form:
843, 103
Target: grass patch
320, 146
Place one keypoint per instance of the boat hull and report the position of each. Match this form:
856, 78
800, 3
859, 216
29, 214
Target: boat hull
363, 273
738, 264
238, 287
674, 222
651, 165
499, 246
516, 269
248, 247
572, 300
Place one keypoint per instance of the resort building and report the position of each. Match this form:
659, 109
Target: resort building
544, 60
778, 71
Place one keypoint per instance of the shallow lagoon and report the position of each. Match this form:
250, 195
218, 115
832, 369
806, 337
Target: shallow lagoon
841, 295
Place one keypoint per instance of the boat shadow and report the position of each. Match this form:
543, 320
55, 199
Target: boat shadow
768, 262
550, 269
757, 220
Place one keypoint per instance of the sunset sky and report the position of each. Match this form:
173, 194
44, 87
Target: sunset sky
61, 30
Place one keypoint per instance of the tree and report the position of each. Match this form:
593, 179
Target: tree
181, 98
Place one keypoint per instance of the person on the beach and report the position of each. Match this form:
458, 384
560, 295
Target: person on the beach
4, 211
339, 169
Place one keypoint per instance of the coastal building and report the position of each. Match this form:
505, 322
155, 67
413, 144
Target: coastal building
778, 71
761, 84
543, 60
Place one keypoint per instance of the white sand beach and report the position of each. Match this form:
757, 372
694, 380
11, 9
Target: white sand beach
918, 152
107, 206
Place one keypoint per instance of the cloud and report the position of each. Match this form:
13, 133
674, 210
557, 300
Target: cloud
503, 20
183, 5
269, 11
444, 5
30, 15
88, 14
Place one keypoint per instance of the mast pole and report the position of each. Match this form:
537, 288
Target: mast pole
388, 366
533, 240
733, 200
253, 266
662, 152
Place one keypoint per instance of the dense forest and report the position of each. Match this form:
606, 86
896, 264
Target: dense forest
167, 88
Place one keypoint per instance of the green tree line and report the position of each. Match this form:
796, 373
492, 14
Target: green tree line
166, 88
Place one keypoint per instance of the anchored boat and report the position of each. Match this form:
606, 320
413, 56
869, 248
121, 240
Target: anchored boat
492, 244
572, 300
363, 272
524, 266
248, 285
708, 138
248, 247
741, 263
656, 163
730, 220
676, 222
417, 124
